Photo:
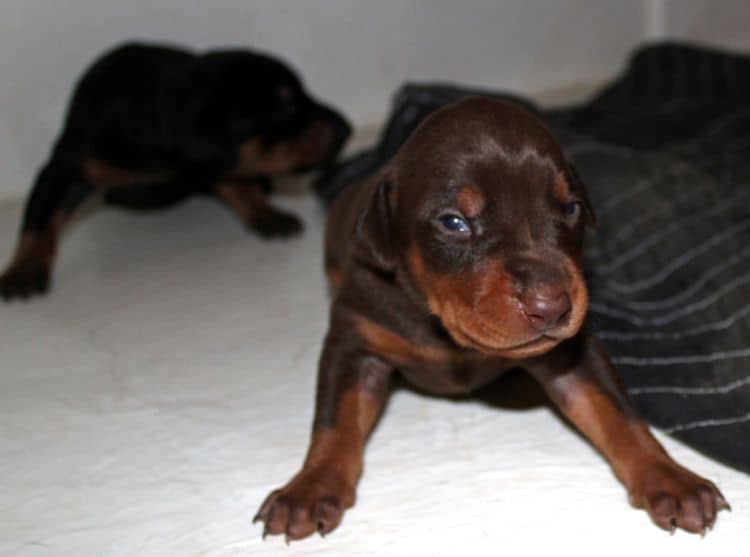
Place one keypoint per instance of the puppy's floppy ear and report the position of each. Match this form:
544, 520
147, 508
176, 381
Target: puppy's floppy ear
577, 185
373, 234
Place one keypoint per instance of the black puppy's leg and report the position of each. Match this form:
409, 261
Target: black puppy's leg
58, 190
249, 202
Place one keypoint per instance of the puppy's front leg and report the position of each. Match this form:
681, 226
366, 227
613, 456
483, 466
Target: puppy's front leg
248, 200
352, 389
589, 393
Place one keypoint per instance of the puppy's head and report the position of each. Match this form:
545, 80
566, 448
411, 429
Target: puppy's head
299, 132
260, 102
483, 217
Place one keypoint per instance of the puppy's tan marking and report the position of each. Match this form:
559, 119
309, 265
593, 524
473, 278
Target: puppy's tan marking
40, 247
470, 200
246, 201
344, 442
101, 174
561, 188
334, 276
255, 160
497, 328
395, 348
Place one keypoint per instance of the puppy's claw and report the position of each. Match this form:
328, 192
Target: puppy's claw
672, 526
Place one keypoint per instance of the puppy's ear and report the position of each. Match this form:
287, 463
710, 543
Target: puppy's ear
373, 234
579, 188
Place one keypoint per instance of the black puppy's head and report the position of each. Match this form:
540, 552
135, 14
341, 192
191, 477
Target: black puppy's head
483, 216
259, 104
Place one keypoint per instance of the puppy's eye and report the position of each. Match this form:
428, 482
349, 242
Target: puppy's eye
455, 224
572, 209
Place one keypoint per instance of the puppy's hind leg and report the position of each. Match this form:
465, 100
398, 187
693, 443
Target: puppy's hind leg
58, 190
249, 202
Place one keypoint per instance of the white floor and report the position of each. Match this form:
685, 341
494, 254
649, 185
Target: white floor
166, 385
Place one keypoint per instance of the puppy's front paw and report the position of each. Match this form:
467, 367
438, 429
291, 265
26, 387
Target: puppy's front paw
312, 502
674, 497
24, 280
275, 223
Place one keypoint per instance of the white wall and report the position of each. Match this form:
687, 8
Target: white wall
723, 22
351, 52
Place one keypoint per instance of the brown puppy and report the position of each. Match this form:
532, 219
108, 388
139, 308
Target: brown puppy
459, 261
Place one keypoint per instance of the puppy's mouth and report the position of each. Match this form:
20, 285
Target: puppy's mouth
535, 346
486, 310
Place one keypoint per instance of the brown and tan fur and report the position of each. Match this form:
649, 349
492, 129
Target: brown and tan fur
451, 308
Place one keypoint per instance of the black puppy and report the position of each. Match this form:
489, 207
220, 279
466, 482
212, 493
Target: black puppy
148, 126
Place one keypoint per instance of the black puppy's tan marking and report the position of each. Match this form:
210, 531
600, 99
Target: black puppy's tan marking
465, 263
251, 205
149, 126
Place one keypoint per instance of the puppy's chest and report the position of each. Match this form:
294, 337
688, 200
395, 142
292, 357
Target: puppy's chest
426, 359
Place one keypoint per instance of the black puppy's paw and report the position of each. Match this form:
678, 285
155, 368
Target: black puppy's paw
23, 281
276, 224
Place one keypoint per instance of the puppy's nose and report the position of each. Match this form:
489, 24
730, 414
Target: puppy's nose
545, 306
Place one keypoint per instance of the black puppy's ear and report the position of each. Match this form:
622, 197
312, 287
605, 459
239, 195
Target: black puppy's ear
577, 185
373, 234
